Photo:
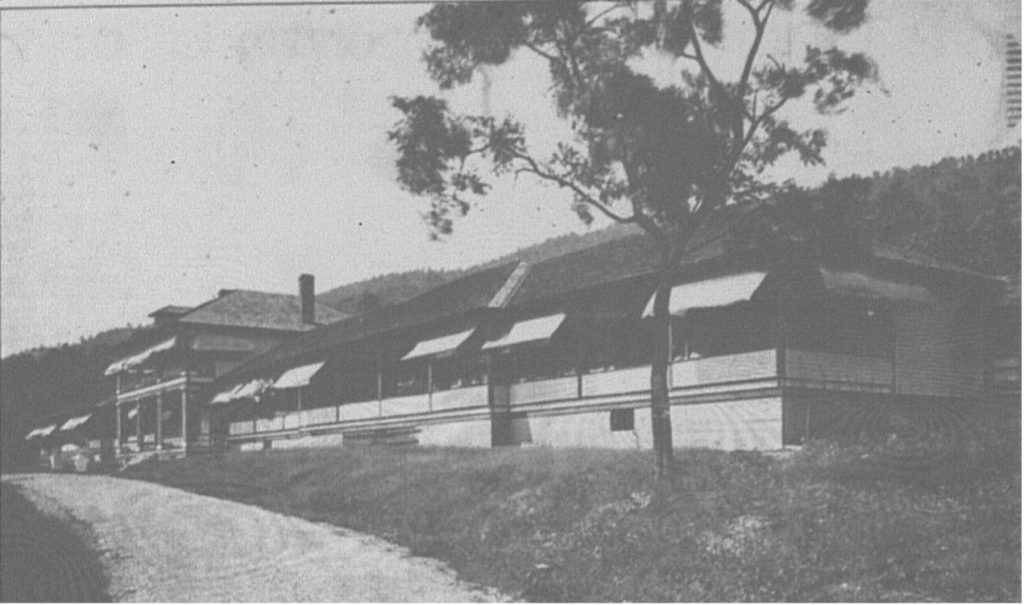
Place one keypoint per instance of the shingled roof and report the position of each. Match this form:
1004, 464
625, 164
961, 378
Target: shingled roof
253, 309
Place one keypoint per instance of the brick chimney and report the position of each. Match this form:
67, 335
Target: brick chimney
307, 291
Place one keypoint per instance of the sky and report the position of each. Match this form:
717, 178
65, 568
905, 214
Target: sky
154, 156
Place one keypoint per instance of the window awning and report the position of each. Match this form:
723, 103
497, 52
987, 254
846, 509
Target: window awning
717, 292
859, 285
41, 431
298, 377
253, 388
530, 330
437, 346
139, 358
75, 422
228, 395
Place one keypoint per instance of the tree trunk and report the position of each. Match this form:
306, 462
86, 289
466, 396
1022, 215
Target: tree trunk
661, 420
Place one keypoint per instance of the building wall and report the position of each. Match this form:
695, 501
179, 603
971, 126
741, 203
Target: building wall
754, 424
334, 440
466, 433
924, 353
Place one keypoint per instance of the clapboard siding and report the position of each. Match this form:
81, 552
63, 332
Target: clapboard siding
727, 368
823, 368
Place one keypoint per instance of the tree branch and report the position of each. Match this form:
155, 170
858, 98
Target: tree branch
614, 7
581, 194
536, 49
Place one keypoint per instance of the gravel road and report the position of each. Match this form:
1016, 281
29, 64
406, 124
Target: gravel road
163, 544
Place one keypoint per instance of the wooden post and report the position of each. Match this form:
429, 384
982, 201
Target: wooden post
159, 421
138, 424
184, 417
430, 386
380, 386
117, 422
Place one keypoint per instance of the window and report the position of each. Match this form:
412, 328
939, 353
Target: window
622, 420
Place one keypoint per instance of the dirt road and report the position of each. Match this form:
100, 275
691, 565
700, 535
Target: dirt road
163, 544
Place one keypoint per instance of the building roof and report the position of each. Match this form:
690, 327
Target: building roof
620, 259
252, 309
457, 298
616, 261
171, 310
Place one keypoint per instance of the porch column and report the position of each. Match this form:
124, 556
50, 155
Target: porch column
159, 421
380, 386
430, 386
184, 419
138, 424
118, 440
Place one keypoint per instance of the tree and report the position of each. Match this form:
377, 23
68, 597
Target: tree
666, 158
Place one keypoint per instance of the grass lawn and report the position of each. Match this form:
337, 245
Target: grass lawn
909, 517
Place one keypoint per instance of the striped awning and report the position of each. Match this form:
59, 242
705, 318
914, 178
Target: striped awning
531, 330
298, 377
139, 358
75, 422
437, 346
717, 292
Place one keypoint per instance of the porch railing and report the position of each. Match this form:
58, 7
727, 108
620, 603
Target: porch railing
740, 371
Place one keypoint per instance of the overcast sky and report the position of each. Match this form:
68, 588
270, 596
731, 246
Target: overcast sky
154, 156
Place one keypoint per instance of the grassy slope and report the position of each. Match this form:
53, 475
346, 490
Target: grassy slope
908, 518
42, 559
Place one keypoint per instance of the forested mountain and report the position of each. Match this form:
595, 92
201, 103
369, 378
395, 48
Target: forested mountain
362, 296
964, 211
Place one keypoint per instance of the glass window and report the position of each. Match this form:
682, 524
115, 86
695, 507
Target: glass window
622, 420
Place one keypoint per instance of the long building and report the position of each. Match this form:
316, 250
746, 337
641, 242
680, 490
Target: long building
770, 347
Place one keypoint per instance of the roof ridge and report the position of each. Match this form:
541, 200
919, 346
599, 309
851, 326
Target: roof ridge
511, 286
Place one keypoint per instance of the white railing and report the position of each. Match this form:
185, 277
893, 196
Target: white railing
243, 427
727, 368
409, 404
836, 367
629, 380
358, 411
319, 416
293, 420
544, 390
264, 425
459, 398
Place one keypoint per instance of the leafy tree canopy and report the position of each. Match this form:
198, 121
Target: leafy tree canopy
662, 157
